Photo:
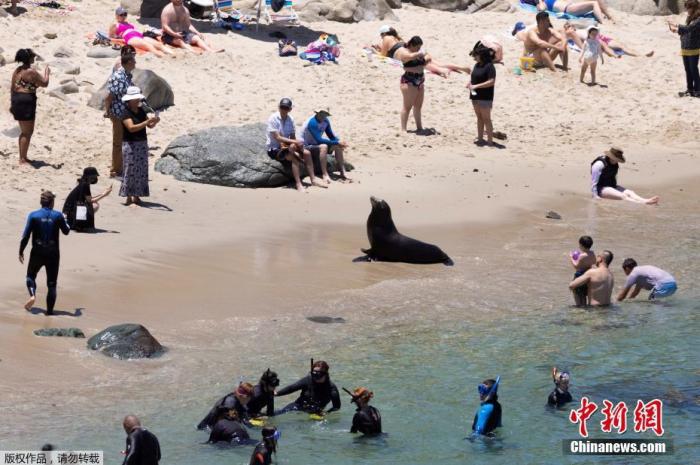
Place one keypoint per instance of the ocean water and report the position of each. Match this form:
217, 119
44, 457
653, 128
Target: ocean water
422, 343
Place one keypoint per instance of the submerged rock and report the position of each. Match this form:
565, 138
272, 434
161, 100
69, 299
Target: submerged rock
60, 332
228, 156
126, 341
157, 91
552, 215
325, 319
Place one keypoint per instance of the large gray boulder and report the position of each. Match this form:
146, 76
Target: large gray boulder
346, 11
227, 156
126, 341
158, 92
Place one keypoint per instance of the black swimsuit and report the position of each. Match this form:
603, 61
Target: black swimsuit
414, 79
394, 48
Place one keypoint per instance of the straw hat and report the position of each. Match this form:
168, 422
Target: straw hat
616, 154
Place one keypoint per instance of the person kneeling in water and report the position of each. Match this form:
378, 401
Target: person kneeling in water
264, 395
560, 395
367, 419
488, 417
316, 391
262, 455
236, 400
228, 428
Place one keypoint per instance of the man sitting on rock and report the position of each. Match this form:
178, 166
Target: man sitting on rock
283, 146
314, 133
178, 30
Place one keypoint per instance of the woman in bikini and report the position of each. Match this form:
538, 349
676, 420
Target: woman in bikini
413, 80
575, 7
25, 81
126, 31
391, 42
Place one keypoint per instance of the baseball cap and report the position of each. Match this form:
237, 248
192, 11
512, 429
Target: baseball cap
120, 11
286, 103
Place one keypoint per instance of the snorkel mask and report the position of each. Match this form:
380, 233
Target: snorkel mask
485, 392
270, 433
562, 380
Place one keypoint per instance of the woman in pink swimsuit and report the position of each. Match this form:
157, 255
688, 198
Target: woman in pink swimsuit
126, 31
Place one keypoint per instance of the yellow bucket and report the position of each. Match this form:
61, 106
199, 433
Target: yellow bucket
527, 63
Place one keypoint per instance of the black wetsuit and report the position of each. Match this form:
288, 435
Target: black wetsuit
43, 226
367, 421
142, 448
228, 430
260, 400
227, 402
314, 396
77, 197
262, 455
558, 398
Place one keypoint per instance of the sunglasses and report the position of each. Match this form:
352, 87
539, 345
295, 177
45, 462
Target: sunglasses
123, 14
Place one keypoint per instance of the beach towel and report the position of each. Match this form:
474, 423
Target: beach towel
533, 9
322, 50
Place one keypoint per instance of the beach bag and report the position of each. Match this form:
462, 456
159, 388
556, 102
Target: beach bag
277, 5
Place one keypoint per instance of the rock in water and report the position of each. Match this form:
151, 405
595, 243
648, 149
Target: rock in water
126, 341
158, 92
227, 156
552, 215
60, 332
326, 319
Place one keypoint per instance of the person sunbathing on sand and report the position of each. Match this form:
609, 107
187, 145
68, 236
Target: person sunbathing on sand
391, 42
126, 31
607, 43
604, 179
545, 43
577, 8
178, 30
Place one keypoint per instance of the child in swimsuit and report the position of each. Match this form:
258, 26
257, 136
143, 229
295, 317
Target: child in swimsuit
591, 52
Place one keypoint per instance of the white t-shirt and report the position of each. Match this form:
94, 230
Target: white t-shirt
285, 128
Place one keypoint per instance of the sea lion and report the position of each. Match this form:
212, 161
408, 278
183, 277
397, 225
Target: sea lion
387, 244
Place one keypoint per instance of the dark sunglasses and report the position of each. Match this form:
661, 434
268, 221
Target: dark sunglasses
123, 14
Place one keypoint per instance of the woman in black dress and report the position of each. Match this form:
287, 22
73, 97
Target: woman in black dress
481, 86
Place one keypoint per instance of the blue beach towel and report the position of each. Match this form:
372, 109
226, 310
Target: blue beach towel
533, 9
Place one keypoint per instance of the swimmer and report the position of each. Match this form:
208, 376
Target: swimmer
142, 447
43, 227
262, 455
264, 395
661, 283
560, 395
598, 279
488, 417
317, 391
367, 419
582, 260
237, 400
228, 428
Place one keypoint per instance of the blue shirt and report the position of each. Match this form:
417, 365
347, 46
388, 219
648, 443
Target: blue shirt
119, 81
43, 226
314, 130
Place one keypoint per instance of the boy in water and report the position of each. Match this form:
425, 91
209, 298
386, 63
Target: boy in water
560, 395
582, 260
488, 417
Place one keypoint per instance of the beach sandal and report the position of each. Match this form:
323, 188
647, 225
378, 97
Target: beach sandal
500, 135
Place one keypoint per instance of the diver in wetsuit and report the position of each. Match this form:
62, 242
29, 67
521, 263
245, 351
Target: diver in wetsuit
488, 417
264, 395
229, 429
43, 226
316, 391
142, 447
236, 400
262, 455
560, 395
367, 419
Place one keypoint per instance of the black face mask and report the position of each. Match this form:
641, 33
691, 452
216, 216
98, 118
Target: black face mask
318, 375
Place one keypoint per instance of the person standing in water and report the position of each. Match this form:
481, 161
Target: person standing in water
367, 419
659, 282
142, 447
488, 417
582, 260
262, 455
43, 226
317, 391
560, 395
598, 280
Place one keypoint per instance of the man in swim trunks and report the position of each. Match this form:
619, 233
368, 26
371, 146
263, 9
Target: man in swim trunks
142, 447
545, 44
43, 226
178, 30
599, 279
661, 283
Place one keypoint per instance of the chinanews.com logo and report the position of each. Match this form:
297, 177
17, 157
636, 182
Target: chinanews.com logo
646, 417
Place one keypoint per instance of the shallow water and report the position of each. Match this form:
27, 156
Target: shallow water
422, 343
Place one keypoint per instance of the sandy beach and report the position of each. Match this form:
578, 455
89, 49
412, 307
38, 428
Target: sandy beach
272, 253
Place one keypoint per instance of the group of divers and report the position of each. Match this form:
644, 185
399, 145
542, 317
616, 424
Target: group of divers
251, 405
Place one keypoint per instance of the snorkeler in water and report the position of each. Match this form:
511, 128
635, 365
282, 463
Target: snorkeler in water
367, 419
560, 395
238, 400
262, 455
317, 390
488, 417
228, 428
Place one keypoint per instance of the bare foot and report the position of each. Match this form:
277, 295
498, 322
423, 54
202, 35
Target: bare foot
29, 304
301, 188
344, 179
327, 179
650, 54
318, 184
653, 201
